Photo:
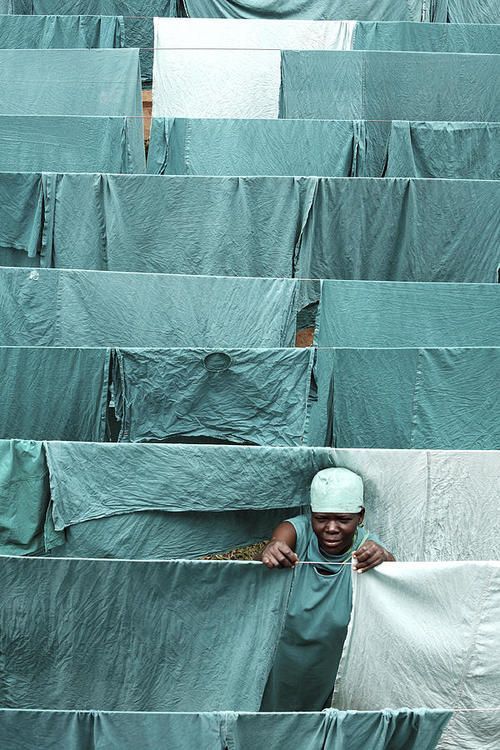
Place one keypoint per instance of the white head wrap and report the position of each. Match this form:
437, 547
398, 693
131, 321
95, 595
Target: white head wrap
336, 491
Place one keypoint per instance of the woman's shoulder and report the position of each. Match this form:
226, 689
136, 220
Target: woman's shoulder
303, 530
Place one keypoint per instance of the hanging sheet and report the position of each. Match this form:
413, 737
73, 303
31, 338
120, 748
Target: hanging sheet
61, 31
89, 730
163, 501
53, 394
393, 314
388, 86
418, 500
329, 148
409, 398
240, 395
24, 497
22, 218
170, 643
378, 10
229, 68
71, 144
70, 82
466, 11
436, 631
428, 37
91, 308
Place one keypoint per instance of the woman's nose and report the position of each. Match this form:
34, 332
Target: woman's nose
331, 527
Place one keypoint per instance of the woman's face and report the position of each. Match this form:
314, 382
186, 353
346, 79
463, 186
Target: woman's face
335, 531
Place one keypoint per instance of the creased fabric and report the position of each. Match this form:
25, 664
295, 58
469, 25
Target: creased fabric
382, 314
418, 729
90, 308
411, 398
71, 144
437, 631
466, 11
388, 85
70, 82
226, 68
53, 393
241, 395
24, 496
428, 37
167, 644
22, 219
382, 10
61, 31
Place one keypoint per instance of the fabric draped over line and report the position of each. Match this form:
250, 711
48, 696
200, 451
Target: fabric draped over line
444, 398
307, 227
437, 630
71, 144
85, 308
388, 85
328, 148
405, 729
61, 32
70, 82
380, 10
469, 37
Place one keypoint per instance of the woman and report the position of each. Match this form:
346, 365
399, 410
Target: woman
334, 537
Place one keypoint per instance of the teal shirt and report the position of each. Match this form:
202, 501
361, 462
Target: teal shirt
310, 647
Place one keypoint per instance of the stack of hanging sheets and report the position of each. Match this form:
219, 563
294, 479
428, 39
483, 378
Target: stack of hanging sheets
297, 268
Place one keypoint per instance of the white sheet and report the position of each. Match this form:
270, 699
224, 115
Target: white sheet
427, 634
231, 68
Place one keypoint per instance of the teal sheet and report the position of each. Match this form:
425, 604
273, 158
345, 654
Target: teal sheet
71, 144
446, 399
377, 10
170, 641
53, 394
24, 497
70, 82
22, 219
90, 308
389, 86
418, 729
467, 11
374, 314
429, 37
330, 148
61, 31
255, 396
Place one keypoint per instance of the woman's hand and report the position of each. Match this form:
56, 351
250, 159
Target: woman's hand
278, 554
369, 555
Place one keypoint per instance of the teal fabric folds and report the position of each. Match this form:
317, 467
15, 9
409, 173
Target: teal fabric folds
24, 496
170, 619
429, 37
467, 11
412, 398
85, 308
382, 10
22, 218
71, 144
388, 86
239, 395
418, 729
70, 82
53, 394
61, 31
394, 314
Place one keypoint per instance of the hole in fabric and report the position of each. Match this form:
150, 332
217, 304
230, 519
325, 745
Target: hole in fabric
217, 362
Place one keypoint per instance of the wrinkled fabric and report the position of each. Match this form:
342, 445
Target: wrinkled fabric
388, 86
167, 645
417, 500
24, 497
91, 308
22, 219
382, 314
466, 11
61, 31
226, 68
53, 393
378, 10
70, 82
241, 395
418, 729
428, 37
440, 621
410, 398
71, 144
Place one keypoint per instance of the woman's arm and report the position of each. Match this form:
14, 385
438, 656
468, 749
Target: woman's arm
280, 551
369, 555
